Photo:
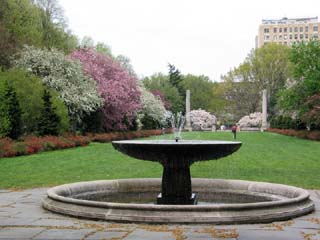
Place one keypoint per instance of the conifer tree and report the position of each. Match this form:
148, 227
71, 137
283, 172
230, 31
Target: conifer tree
10, 112
49, 120
175, 79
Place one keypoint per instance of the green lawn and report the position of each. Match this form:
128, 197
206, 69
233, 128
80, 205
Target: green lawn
262, 157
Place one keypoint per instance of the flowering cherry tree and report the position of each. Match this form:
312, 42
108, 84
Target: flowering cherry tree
201, 119
152, 107
121, 96
251, 120
78, 91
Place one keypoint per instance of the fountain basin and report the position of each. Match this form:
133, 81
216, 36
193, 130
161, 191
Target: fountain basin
251, 202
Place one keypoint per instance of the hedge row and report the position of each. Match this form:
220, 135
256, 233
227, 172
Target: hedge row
32, 144
312, 135
286, 122
108, 137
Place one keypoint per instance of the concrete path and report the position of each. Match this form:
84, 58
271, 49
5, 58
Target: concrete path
22, 217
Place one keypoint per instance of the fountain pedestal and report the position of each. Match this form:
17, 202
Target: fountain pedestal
176, 186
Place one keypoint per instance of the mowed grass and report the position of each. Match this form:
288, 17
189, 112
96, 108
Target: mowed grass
263, 157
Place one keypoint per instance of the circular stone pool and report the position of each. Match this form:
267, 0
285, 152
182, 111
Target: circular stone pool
219, 201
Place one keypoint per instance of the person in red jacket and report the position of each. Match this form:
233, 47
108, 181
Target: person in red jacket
234, 131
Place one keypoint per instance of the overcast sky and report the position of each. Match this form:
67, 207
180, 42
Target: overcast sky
198, 36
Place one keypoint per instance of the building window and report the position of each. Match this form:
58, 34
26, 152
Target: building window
266, 37
285, 29
274, 30
275, 37
280, 29
290, 36
280, 37
306, 36
315, 28
290, 29
315, 36
296, 36
301, 29
266, 30
285, 37
295, 29
301, 36
306, 28
285, 43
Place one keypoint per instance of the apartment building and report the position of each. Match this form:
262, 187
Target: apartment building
288, 31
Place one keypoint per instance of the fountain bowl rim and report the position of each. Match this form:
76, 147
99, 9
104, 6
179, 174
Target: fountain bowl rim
180, 142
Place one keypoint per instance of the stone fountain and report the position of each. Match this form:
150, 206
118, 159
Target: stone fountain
138, 200
176, 158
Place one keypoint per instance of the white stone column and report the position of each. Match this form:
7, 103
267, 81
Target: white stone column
188, 119
264, 125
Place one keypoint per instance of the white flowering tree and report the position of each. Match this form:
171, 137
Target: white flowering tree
78, 91
152, 110
201, 119
251, 120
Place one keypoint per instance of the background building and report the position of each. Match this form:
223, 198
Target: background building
287, 31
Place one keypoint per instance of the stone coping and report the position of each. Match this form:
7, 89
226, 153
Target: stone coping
292, 202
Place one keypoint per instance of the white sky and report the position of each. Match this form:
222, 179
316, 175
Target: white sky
198, 36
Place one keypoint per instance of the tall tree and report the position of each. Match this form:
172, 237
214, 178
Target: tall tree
126, 64
161, 82
271, 69
53, 11
54, 26
48, 123
201, 89
119, 90
265, 68
175, 79
10, 116
19, 25
104, 49
301, 95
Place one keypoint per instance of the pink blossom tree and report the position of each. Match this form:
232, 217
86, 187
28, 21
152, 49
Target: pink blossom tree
118, 89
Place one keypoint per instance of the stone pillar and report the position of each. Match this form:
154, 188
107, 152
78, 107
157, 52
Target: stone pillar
264, 125
188, 120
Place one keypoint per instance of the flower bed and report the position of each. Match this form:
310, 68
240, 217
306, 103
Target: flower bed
312, 135
108, 137
32, 144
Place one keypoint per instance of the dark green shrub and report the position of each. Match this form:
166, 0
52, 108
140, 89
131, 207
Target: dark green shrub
49, 121
10, 112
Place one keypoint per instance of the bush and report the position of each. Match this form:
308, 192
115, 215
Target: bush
286, 122
10, 111
49, 121
108, 137
152, 112
312, 135
33, 144
201, 119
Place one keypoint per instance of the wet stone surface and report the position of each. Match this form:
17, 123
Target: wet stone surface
22, 217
